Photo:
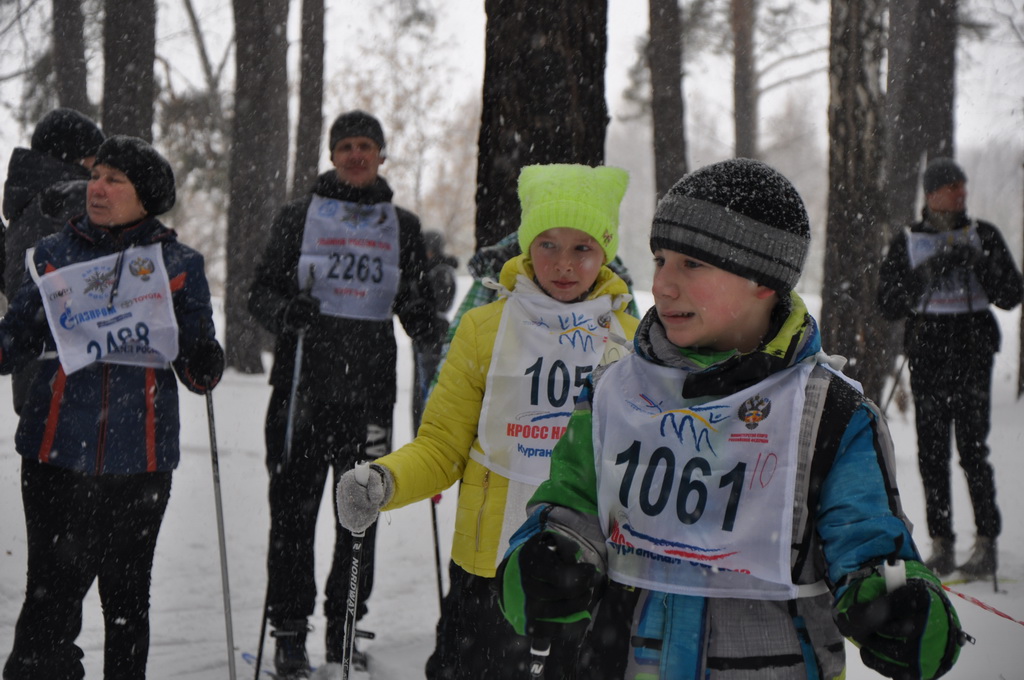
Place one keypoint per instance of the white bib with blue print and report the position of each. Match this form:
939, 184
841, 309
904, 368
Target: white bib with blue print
351, 251
543, 353
696, 496
100, 311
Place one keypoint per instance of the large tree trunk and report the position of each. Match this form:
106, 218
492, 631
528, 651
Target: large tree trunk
129, 49
309, 128
259, 162
69, 55
919, 98
543, 99
744, 82
665, 61
851, 325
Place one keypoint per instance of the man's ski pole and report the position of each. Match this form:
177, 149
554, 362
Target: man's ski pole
362, 474
289, 427
540, 649
220, 536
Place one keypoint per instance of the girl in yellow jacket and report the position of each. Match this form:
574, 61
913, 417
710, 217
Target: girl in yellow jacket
502, 400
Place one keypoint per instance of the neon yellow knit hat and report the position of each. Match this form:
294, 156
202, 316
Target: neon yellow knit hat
574, 196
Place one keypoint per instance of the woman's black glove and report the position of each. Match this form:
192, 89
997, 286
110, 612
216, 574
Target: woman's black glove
204, 365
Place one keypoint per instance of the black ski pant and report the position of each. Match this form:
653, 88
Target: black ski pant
326, 436
955, 393
84, 528
475, 641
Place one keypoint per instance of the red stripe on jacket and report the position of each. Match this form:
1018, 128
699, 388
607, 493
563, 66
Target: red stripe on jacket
178, 282
53, 416
150, 420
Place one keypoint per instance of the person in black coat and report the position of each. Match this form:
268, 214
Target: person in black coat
339, 264
941, 275
45, 188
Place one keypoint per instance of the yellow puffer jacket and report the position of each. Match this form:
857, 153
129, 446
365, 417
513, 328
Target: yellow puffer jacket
439, 456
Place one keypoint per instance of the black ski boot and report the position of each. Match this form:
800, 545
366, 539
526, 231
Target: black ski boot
290, 659
335, 640
943, 559
983, 560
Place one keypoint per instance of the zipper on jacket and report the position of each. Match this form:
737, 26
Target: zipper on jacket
101, 439
483, 504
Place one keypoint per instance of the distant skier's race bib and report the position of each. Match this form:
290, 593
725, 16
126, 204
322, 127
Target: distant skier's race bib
960, 291
351, 251
115, 309
696, 497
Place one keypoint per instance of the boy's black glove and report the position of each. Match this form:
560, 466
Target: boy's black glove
302, 312
909, 634
545, 585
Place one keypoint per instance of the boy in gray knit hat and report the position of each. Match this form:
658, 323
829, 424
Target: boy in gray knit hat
726, 477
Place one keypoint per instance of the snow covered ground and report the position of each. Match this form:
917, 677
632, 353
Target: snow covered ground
188, 631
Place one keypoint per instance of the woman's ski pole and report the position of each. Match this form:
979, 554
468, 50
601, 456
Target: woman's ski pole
220, 535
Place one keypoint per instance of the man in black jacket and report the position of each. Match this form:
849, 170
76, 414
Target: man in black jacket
45, 188
941, 275
339, 264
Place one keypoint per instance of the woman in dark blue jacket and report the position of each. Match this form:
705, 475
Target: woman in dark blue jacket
115, 306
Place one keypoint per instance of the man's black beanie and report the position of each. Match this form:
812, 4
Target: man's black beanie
67, 135
355, 123
739, 215
148, 171
941, 172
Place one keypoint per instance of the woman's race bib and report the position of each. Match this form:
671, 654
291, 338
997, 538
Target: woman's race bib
543, 353
351, 251
115, 309
696, 497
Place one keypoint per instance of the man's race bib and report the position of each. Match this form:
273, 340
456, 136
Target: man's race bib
959, 292
351, 251
115, 309
696, 497
543, 353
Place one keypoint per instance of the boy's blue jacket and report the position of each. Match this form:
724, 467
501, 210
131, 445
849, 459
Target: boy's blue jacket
857, 523
105, 418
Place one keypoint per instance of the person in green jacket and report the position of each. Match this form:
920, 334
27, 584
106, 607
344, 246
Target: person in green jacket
723, 504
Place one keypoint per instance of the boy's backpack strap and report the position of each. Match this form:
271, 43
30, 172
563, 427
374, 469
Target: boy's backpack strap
831, 403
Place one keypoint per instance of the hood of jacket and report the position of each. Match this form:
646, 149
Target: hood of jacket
607, 283
29, 173
329, 186
793, 337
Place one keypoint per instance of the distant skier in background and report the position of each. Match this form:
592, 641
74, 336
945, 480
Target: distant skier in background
45, 188
340, 263
942, 274
441, 279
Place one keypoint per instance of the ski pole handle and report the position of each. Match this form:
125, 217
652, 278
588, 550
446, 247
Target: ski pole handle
895, 573
362, 473
540, 649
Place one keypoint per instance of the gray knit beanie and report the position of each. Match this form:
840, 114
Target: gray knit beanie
355, 123
941, 172
739, 215
67, 135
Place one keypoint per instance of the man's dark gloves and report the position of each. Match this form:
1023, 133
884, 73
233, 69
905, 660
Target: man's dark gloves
545, 586
910, 633
302, 312
205, 364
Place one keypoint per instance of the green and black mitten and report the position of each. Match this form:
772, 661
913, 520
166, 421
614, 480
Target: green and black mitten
545, 586
910, 633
